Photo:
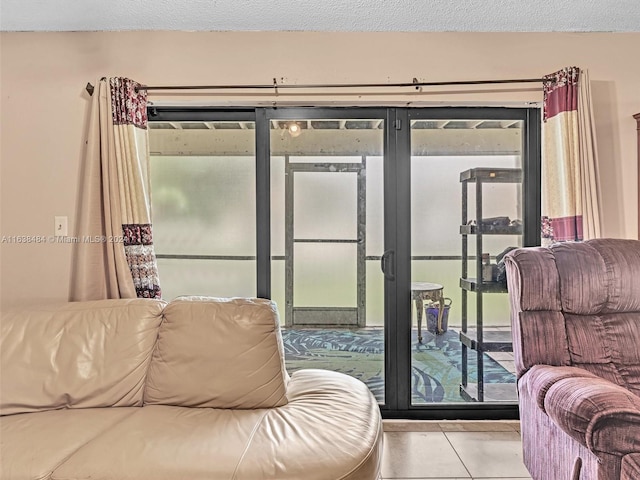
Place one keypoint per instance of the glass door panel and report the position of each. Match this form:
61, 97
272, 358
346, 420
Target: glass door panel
460, 347
325, 274
203, 183
327, 240
325, 204
374, 235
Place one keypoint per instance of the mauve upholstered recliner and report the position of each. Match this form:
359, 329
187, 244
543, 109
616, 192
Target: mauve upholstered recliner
575, 314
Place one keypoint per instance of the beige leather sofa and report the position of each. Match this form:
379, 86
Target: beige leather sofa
194, 389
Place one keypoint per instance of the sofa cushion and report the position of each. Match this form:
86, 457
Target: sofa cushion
221, 353
342, 439
77, 355
630, 467
33, 445
330, 429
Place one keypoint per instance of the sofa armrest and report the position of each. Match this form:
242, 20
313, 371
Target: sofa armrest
602, 416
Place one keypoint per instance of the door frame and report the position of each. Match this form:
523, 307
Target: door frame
531, 165
290, 240
391, 386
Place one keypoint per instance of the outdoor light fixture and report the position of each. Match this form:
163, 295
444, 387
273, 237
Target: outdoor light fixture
294, 129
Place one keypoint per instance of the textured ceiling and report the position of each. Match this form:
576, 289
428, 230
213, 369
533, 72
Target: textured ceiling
322, 15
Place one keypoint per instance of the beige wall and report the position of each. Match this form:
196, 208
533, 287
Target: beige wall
44, 106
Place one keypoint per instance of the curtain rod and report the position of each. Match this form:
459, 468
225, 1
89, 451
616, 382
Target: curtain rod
277, 86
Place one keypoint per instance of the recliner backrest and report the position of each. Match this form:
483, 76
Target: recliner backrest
578, 304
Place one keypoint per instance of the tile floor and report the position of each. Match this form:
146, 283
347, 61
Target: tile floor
452, 450
505, 359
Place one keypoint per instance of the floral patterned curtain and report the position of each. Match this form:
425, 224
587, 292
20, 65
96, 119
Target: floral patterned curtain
570, 196
114, 255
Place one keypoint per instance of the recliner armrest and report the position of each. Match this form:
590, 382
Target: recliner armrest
602, 416
540, 378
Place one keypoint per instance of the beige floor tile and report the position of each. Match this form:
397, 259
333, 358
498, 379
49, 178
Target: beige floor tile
490, 454
411, 426
501, 355
480, 426
420, 455
392, 425
508, 365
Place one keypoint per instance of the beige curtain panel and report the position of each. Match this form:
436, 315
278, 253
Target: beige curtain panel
570, 193
118, 259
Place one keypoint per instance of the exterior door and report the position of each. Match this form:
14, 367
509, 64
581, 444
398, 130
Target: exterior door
328, 197
325, 243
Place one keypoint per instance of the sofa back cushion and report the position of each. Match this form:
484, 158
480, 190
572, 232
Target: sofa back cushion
77, 355
220, 353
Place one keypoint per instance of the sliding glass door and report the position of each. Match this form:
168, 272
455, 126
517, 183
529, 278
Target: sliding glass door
203, 175
327, 239
364, 226
467, 210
